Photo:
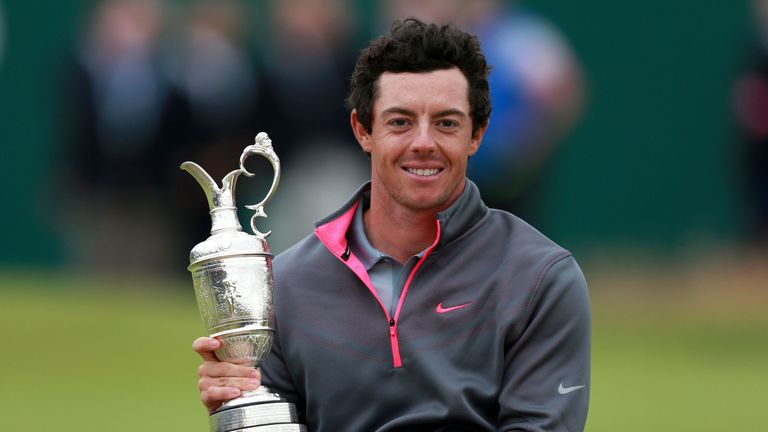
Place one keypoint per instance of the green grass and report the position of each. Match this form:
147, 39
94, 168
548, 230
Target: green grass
93, 355
679, 374
108, 355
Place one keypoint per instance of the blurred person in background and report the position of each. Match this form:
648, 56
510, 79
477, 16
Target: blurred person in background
537, 88
214, 114
211, 63
495, 331
750, 103
116, 98
309, 54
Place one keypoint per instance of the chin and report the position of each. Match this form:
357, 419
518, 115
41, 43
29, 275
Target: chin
425, 203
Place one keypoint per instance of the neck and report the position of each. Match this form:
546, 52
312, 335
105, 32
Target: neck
399, 233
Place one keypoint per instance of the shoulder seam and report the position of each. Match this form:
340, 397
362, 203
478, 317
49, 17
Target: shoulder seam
540, 280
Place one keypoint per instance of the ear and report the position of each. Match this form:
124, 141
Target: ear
362, 135
477, 138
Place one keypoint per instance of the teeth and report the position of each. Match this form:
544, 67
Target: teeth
423, 172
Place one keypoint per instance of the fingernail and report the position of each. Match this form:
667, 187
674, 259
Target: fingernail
233, 393
213, 343
254, 373
254, 382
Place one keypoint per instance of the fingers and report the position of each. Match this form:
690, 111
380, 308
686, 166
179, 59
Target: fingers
214, 391
205, 347
222, 389
214, 397
221, 381
206, 383
217, 369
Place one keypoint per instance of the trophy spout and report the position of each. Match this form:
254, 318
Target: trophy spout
203, 179
221, 200
217, 196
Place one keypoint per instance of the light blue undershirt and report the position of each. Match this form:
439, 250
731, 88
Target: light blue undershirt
386, 273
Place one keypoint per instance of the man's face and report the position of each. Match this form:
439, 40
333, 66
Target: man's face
420, 139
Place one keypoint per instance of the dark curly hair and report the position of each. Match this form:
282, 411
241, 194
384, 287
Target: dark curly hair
415, 46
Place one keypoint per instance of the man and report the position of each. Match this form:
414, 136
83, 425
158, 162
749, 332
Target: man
414, 306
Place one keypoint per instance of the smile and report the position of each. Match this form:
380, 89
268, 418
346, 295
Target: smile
423, 172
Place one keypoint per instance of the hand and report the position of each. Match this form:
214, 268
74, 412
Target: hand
221, 381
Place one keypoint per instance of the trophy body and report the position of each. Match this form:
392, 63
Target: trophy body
232, 276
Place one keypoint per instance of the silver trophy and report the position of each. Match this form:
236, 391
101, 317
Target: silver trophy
232, 275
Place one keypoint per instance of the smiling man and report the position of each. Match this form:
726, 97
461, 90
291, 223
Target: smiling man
415, 307
420, 136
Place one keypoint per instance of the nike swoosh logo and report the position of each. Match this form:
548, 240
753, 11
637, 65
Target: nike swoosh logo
441, 310
566, 390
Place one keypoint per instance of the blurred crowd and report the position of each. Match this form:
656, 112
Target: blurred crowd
151, 84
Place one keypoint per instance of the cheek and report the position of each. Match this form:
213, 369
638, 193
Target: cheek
379, 162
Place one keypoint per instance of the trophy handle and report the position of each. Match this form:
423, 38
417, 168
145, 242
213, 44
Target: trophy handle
263, 147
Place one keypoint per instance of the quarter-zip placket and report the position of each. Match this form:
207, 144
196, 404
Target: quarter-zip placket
345, 255
398, 362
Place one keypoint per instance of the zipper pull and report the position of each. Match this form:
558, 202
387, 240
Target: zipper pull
347, 252
392, 327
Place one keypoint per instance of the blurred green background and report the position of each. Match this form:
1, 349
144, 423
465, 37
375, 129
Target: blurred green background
646, 190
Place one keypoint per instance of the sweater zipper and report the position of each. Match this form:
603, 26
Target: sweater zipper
397, 360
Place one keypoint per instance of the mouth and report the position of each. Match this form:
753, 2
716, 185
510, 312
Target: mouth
424, 172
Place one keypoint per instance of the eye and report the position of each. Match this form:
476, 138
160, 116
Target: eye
398, 122
447, 124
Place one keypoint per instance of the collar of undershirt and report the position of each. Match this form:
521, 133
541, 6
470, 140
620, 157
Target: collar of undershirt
358, 241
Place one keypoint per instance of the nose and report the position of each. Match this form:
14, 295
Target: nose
423, 141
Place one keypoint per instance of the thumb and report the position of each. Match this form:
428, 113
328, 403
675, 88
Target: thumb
205, 347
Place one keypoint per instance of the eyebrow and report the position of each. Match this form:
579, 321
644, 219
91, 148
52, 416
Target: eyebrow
398, 110
443, 113
450, 112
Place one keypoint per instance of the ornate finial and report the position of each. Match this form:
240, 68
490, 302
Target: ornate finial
263, 146
262, 141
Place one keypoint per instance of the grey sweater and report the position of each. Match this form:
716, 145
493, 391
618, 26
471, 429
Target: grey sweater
491, 333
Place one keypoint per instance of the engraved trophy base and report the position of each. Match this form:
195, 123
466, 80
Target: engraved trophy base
256, 411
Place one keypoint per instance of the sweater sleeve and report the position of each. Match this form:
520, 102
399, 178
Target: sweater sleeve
547, 363
276, 376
